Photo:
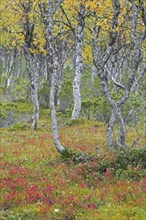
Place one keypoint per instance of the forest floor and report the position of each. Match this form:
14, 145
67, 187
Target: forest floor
36, 183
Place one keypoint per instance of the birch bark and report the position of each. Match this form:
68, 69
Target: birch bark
32, 61
52, 64
35, 93
33, 73
78, 64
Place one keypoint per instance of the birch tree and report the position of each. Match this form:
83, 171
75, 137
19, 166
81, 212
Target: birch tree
101, 59
78, 63
32, 61
47, 11
53, 68
33, 66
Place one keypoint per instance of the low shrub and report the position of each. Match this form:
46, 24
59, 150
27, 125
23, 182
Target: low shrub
78, 121
127, 163
19, 127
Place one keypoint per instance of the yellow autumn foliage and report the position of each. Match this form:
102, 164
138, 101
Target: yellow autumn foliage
13, 19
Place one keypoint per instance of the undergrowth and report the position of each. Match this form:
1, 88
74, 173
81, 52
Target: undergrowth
84, 183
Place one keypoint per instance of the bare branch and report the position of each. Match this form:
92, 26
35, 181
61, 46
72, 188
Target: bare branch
113, 79
69, 23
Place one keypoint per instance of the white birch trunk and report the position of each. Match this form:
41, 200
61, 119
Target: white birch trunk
33, 74
57, 143
78, 65
116, 115
52, 63
109, 131
32, 63
35, 94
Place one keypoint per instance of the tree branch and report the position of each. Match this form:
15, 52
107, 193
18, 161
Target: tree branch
113, 80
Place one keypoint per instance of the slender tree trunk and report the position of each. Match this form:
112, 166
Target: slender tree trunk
78, 65
116, 115
121, 130
57, 143
32, 62
33, 74
109, 131
35, 93
53, 68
